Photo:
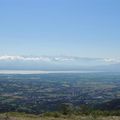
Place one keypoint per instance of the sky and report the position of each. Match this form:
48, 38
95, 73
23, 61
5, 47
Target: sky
81, 30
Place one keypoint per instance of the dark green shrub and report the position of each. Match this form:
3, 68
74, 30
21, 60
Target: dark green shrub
67, 109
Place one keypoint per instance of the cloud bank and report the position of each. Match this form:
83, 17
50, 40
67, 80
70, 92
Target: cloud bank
58, 59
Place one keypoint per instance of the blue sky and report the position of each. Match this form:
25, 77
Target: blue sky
80, 28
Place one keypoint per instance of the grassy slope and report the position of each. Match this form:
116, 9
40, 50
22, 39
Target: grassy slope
17, 116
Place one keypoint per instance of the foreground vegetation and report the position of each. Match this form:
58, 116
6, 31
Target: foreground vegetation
54, 116
67, 112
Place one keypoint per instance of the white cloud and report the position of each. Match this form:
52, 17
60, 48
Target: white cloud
112, 60
6, 57
46, 58
58, 59
13, 58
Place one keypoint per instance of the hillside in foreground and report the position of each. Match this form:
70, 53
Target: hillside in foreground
69, 112
19, 116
